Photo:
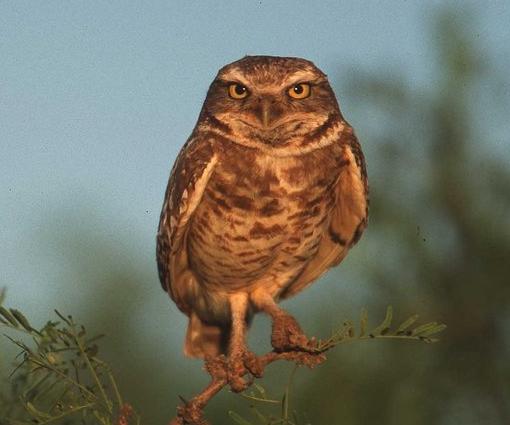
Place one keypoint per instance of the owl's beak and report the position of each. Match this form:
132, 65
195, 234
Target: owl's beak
268, 112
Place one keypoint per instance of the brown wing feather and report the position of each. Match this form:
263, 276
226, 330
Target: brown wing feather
348, 219
185, 189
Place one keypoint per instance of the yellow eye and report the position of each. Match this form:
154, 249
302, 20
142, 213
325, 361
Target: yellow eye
299, 91
237, 91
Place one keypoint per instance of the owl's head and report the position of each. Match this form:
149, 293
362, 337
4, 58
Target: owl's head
270, 100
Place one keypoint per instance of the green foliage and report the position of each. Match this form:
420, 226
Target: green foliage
259, 400
59, 378
404, 331
280, 411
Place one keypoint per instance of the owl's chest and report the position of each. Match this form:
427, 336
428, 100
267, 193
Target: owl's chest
260, 215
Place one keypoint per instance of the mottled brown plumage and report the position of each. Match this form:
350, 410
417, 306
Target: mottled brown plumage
268, 193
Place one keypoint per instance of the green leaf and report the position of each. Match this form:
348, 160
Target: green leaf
261, 390
348, 330
22, 319
423, 328
36, 413
363, 323
67, 320
406, 324
285, 404
428, 329
10, 318
439, 328
384, 327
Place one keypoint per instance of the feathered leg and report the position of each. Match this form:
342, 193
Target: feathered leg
240, 360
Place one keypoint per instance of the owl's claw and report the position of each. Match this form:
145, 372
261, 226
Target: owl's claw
235, 372
287, 335
238, 365
253, 364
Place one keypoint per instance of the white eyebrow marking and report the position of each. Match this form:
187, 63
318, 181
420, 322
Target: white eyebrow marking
301, 76
234, 74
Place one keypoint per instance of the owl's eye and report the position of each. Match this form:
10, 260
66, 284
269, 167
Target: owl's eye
299, 91
237, 91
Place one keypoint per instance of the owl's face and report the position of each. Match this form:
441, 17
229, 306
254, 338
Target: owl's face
271, 100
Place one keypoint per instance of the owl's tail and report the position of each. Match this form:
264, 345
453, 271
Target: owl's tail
203, 339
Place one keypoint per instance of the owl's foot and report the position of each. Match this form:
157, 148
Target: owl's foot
238, 365
287, 335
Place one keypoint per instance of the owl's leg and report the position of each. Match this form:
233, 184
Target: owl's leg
286, 335
240, 360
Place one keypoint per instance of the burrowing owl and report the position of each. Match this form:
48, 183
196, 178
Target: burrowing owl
268, 193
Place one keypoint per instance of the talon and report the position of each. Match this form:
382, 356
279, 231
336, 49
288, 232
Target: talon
238, 384
240, 365
287, 335
235, 372
253, 364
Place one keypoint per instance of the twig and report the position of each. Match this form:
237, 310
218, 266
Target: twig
92, 371
191, 412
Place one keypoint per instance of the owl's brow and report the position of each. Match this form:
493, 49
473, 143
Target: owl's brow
236, 75
304, 76
233, 76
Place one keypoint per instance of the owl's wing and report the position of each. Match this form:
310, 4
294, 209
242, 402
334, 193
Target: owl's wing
188, 179
348, 219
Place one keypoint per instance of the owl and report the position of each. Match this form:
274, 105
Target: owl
267, 194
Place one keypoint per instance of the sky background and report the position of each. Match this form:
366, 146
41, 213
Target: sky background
96, 99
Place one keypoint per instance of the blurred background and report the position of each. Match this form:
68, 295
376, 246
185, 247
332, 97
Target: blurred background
96, 99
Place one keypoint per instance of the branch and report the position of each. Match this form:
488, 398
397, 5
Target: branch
192, 412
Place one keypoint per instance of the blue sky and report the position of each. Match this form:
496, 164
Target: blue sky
96, 99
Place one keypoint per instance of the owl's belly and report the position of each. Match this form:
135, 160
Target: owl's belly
244, 237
